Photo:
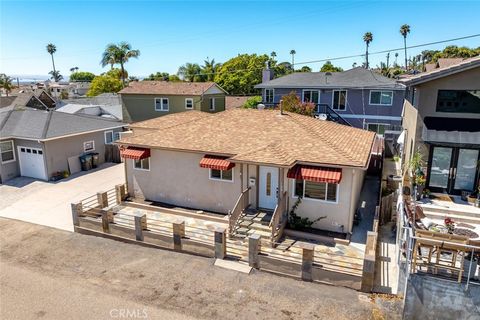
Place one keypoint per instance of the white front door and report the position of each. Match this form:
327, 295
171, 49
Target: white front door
31, 162
268, 187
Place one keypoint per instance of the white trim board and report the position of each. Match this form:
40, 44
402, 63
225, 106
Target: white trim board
374, 117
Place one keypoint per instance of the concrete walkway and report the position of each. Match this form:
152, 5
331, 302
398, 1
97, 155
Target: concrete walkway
386, 270
48, 203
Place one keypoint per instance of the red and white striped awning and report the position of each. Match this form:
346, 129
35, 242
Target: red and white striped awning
317, 174
135, 153
216, 162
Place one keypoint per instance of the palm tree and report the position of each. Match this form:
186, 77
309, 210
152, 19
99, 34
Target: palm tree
404, 31
367, 37
396, 57
51, 48
293, 53
55, 75
209, 69
6, 83
273, 54
189, 72
74, 69
119, 54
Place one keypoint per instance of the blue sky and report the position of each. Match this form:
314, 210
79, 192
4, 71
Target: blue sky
170, 33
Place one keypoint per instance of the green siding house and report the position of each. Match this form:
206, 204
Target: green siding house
143, 100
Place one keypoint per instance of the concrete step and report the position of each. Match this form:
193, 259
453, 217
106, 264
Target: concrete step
468, 211
253, 225
454, 216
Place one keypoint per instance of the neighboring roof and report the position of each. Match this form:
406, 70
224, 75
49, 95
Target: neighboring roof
447, 62
180, 118
110, 99
39, 124
354, 78
6, 101
235, 101
452, 124
115, 112
259, 136
464, 65
167, 87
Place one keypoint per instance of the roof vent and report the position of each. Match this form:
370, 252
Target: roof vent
260, 106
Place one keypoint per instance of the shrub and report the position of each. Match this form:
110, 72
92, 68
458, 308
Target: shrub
292, 103
252, 102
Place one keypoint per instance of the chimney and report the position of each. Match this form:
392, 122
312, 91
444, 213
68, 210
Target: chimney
267, 73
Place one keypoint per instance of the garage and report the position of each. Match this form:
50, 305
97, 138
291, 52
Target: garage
32, 163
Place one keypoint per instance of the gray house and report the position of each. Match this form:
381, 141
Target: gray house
361, 97
38, 143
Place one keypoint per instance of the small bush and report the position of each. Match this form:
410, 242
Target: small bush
292, 103
252, 102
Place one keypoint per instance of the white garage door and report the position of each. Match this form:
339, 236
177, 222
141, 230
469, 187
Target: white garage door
32, 163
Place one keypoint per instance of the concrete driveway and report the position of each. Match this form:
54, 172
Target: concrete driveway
48, 203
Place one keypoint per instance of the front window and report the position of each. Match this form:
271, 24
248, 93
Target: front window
6, 151
142, 164
383, 98
462, 101
379, 128
188, 103
269, 95
316, 190
339, 100
109, 137
311, 96
161, 104
226, 175
212, 104
89, 146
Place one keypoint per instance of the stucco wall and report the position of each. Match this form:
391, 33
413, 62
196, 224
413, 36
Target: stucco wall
337, 214
59, 150
176, 178
142, 106
12, 169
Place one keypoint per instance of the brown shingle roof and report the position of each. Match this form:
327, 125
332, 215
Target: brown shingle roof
235, 101
166, 87
260, 136
170, 120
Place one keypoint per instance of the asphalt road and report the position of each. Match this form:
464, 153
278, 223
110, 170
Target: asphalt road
48, 273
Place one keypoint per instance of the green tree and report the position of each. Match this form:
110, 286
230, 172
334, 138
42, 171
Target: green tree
305, 69
455, 52
51, 49
119, 54
404, 31
190, 72
104, 84
174, 78
253, 102
55, 75
209, 68
292, 103
116, 73
282, 69
82, 76
159, 76
6, 83
329, 67
239, 75
293, 53
367, 38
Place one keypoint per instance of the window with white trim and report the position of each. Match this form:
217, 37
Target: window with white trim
311, 96
339, 100
7, 152
225, 175
269, 95
382, 98
142, 164
108, 137
212, 104
316, 190
161, 104
89, 146
378, 127
188, 103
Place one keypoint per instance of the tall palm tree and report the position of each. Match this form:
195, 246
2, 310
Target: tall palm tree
119, 54
209, 69
273, 54
74, 69
293, 53
189, 72
55, 75
367, 37
51, 48
404, 31
6, 83
396, 57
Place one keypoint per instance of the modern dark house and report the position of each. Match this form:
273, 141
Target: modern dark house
359, 97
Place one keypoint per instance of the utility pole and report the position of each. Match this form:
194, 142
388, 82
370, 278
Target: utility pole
388, 59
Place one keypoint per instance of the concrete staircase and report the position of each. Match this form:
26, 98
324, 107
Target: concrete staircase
468, 215
254, 221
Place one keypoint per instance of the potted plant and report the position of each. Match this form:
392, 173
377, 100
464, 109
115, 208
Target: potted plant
450, 224
420, 183
415, 165
426, 193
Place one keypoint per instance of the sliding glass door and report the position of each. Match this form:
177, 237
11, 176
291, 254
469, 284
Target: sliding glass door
452, 170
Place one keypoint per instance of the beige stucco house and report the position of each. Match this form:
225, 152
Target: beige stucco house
210, 161
143, 100
441, 120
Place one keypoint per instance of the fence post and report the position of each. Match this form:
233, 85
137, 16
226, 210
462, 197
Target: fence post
120, 193
307, 261
140, 225
368, 274
178, 233
76, 213
102, 199
220, 243
254, 250
105, 221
